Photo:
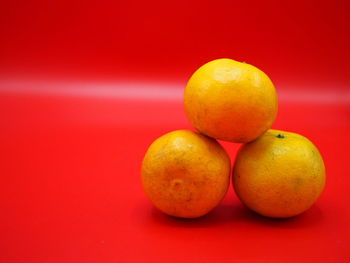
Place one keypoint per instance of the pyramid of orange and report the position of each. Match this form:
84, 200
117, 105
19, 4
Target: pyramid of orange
276, 174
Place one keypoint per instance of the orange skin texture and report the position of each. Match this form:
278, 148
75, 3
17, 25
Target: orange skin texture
185, 174
229, 100
279, 177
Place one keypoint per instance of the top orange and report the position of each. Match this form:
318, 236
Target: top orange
229, 100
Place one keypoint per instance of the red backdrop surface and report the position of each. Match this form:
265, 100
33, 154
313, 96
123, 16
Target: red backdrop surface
86, 86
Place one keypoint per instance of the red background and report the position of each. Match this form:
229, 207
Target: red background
86, 86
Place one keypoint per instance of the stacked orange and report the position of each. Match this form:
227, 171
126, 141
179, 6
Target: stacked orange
276, 174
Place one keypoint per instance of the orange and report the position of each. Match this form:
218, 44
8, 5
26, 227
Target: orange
230, 100
281, 174
185, 174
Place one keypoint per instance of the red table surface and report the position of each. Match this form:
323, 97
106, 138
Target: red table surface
70, 181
